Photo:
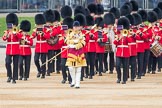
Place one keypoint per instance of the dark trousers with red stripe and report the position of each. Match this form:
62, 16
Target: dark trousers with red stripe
42, 57
99, 62
12, 73
64, 68
24, 66
111, 61
124, 61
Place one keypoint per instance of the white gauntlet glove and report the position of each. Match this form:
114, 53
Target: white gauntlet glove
71, 46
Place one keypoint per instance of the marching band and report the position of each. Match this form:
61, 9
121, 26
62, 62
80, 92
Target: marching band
79, 46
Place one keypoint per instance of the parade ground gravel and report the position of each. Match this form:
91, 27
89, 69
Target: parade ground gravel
100, 92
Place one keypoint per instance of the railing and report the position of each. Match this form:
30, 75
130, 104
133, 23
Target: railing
41, 5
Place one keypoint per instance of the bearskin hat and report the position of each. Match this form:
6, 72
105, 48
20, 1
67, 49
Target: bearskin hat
134, 5
57, 15
159, 5
12, 18
92, 8
109, 19
125, 22
79, 9
99, 22
158, 12
81, 18
152, 16
131, 19
87, 12
66, 11
116, 12
90, 20
40, 19
25, 26
129, 4
49, 15
69, 22
143, 14
100, 9
138, 18
125, 10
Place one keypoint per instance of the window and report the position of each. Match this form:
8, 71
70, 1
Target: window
38, 5
8, 4
153, 3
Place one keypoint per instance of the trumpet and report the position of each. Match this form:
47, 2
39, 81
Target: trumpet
14, 30
125, 32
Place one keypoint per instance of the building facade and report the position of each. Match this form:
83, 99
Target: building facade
41, 5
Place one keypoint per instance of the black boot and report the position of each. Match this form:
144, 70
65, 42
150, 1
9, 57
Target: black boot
13, 81
9, 79
38, 75
20, 78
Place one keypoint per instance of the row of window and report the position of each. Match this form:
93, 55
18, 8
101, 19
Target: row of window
41, 5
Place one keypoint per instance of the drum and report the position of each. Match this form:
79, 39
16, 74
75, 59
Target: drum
108, 47
156, 49
53, 40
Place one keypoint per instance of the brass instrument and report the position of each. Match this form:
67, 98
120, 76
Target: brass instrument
23, 39
125, 32
15, 30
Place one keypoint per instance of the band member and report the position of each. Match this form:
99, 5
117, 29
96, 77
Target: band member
122, 50
41, 48
132, 47
147, 40
75, 58
156, 34
50, 17
101, 39
57, 47
91, 47
12, 49
25, 51
109, 21
81, 10
139, 43
66, 28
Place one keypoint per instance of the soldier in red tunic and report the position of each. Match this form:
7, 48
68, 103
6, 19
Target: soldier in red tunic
25, 49
101, 39
140, 43
50, 17
66, 28
132, 47
122, 49
12, 49
41, 49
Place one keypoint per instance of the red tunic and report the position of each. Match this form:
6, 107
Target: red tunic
91, 46
41, 43
122, 49
99, 48
26, 49
12, 43
55, 31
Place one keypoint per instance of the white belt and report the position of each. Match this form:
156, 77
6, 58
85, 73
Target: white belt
131, 43
12, 42
123, 46
91, 40
24, 45
141, 41
41, 41
64, 46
